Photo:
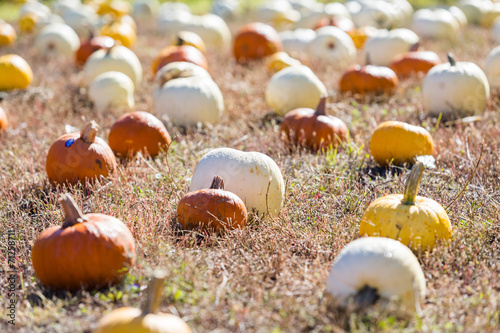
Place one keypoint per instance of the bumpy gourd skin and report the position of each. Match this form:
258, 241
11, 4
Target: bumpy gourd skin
417, 226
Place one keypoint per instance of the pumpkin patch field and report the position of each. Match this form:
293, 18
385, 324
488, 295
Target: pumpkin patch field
249, 166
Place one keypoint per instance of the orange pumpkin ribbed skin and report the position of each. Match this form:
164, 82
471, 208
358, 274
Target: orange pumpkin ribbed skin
138, 131
369, 79
72, 159
7, 34
412, 63
4, 121
90, 46
91, 254
173, 53
212, 209
256, 41
308, 128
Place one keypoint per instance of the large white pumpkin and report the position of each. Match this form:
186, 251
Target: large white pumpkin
378, 263
187, 95
118, 58
455, 89
294, 87
82, 19
492, 68
386, 45
332, 45
474, 10
212, 29
252, 176
295, 42
111, 89
436, 23
57, 39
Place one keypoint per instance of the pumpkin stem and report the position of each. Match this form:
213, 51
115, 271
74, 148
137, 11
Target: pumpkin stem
89, 132
154, 293
366, 297
412, 184
173, 74
367, 59
217, 183
414, 47
321, 108
451, 59
72, 213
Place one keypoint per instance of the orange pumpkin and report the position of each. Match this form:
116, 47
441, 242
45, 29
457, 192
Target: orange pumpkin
7, 34
414, 62
78, 157
88, 251
256, 41
173, 53
4, 121
315, 130
90, 46
212, 209
138, 131
369, 79
341, 22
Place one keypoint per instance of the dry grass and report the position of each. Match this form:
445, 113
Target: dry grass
269, 277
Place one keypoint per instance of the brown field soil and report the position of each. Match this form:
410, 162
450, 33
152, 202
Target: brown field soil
269, 277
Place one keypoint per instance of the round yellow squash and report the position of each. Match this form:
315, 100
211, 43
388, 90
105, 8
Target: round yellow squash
7, 34
413, 220
399, 143
119, 31
147, 320
15, 73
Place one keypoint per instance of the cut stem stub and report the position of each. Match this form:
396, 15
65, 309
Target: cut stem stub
412, 183
72, 213
217, 183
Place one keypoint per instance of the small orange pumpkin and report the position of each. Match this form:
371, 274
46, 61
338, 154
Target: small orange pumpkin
315, 130
341, 22
212, 209
7, 34
90, 46
414, 62
173, 53
88, 251
256, 41
369, 79
4, 121
138, 131
78, 157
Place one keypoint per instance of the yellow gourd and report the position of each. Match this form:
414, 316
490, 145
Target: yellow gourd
399, 143
281, 60
413, 220
27, 23
15, 73
147, 320
7, 34
122, 32
113, 7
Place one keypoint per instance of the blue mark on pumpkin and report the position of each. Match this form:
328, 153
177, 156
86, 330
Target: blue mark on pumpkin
69, 142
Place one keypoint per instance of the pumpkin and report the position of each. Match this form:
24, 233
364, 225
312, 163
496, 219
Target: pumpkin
455, 89
415, 221
399, 143
81, 18
492, 68
341, 22
369, 79
292, 88
295, 41
370, 268
186, 53
252, 176
27, 23
189, 38
212, 209
91, 45
88, 251
7, 34
382, 48
333, 45
15, 73
138, 131
119, 31
256, 41
57, 39
312, 129
212, 29
115, 8
474, 10
145, 9
281, 60
145, 320
187, 95
414, 62
436, 23
360, 35
227, 9
117, 58
4, 121
78, 157
111, 89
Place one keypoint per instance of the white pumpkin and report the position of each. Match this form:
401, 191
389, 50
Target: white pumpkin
295, 42
436, 23
187, 95
82, 19
382, 48
111, 89
36, 8
212, 29
310, 18
252, 176
332, 45
459, 15
172, 20
226, 9
118, 58
495, 31
334, 9
492, 68
455, 89
292, 88
475, 9
57, 39
379, 14
489, 17
145, 9
382, 264
60, 6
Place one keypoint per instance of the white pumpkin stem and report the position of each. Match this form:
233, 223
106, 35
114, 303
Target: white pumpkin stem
217, 183
412, 184
415, 47
173, 74
366, 297
451, 59
155, 290
321, 108
89, 132
72, 213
